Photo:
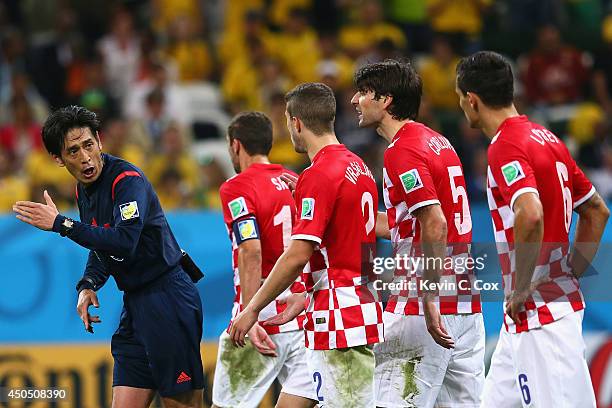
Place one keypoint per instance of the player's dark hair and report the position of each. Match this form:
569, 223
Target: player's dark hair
63, 120
397, 79
253, 130
314, 104
488, 75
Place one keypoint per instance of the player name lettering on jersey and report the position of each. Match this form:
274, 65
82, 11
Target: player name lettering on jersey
279, 183
543, 135
356, 169
439, 143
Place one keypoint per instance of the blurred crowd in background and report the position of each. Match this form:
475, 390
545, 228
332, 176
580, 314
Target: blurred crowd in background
165, 77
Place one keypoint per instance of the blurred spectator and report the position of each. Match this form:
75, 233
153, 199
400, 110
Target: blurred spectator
602, 69
333, 60
586, 130
438, 75
165, 13
362, 36
12, 57
212, 176
411, 16
136, 105
96, 95
44, 173
147, 129
461, 20
120, 50
117, 141
282, 151
188, 51
22, 88
22, 135
240, 84
12, 186
297, 47
384, 49
173, 171
281, 11
233, 43
554, 73
52, 56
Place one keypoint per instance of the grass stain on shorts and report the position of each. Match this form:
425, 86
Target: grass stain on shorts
353, 371
244, 365
408, 370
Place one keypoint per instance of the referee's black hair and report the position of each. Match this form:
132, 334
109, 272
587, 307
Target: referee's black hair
397, 79
253, 130
488, 75
63, 120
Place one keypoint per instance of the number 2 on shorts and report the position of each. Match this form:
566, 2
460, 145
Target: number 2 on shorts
316, 377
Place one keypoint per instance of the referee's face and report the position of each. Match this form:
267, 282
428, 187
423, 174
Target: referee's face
82, 155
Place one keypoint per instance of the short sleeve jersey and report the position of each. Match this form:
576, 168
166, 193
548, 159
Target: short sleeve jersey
258, 194
421, 168
336, 199
526, 158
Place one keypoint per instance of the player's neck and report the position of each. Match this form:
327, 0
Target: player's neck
247, 161
495, 117
316, 143
388, 127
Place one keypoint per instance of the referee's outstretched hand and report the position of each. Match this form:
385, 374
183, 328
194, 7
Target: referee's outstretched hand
39, 215
88, 297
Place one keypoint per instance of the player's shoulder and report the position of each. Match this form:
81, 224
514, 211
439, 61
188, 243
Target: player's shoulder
237, 184
119, 169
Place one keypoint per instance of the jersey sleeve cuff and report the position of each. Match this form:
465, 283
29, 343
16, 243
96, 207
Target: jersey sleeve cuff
57, 223
422, 204
520, 192
307, 237
585, 198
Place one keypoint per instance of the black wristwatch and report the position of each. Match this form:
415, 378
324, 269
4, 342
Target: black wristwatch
85, 283
63, 225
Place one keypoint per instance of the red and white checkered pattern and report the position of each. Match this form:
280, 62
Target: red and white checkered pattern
416, 147
542, 165
259, 187
343, 310
552, 299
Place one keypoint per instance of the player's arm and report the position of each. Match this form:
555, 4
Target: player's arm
94, 278
382, 225
593, 215
434, 232
249, 269
286, 270
528, 235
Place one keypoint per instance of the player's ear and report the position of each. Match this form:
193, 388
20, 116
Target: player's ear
58, 160
297, 123
473, 100
387, 101
99, 140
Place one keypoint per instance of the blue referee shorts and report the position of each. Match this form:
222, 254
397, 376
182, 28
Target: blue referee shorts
157, 343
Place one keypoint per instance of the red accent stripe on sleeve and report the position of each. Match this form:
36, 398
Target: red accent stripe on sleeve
76, 192
121, 177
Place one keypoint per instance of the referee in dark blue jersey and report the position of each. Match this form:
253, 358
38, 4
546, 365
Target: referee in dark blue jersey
157, 345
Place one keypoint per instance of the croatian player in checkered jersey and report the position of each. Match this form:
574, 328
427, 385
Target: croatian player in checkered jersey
259, 210
533, 187
433, 354
336, 200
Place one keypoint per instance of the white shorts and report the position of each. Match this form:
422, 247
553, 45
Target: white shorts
343, 377
540, 368
243, 375
414, 371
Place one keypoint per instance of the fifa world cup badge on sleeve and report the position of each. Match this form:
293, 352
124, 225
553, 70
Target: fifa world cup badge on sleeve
512, 172
129, 210
307, 208
411, 180
238, 207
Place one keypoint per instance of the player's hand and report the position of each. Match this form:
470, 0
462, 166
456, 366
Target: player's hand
433, 320
290, 180
39, 215
515, 304
88, 297
241, 326
262, 341
296, 303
